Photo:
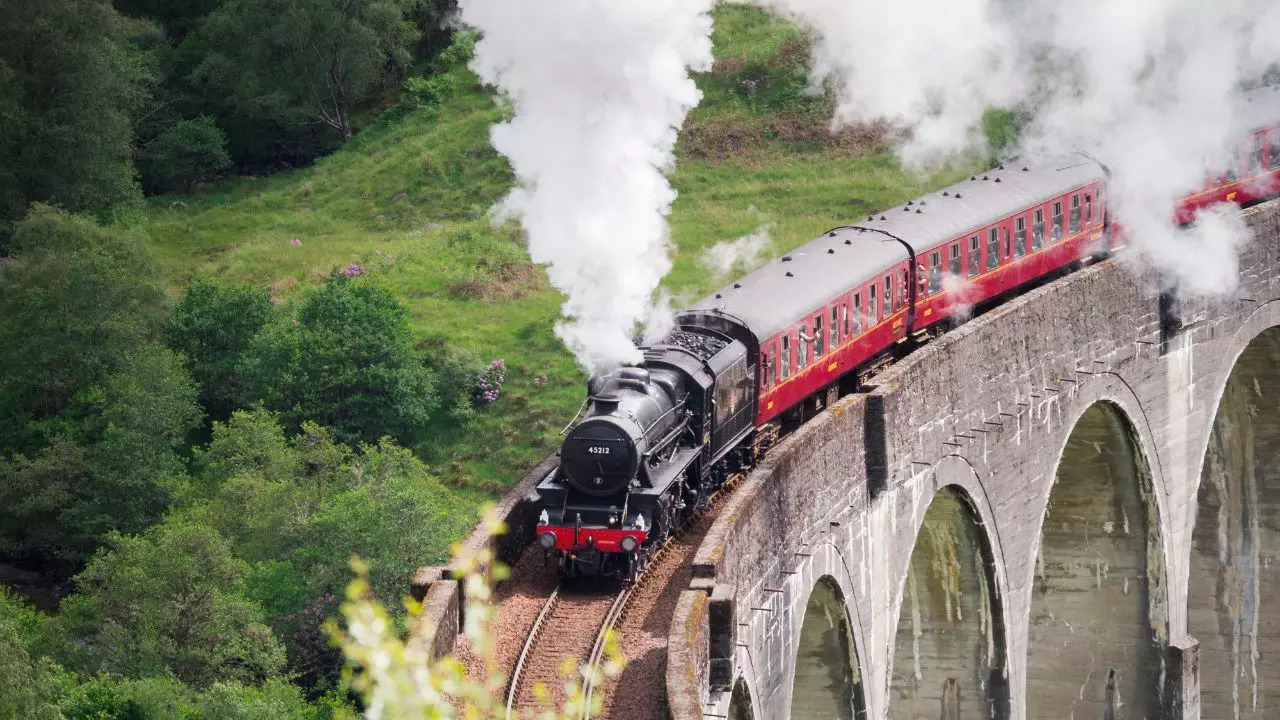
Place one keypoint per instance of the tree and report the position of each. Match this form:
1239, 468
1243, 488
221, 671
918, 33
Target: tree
93, 409
306, 60
69, 82
171, 600
214, 326
75, 303
348, 364
29, 685
185, 153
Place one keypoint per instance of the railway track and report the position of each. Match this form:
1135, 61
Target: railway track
560, 624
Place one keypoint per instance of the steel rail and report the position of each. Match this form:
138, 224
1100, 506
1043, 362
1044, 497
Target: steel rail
514, 687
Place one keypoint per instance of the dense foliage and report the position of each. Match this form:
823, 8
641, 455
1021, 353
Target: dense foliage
69, 86
204, 563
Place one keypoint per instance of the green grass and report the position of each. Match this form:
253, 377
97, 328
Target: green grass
408, 198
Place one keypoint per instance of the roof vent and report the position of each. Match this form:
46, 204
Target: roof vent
1000, 166
911, 202
997, 179
923, 202
957, 196
985, 177
973, 177
831, 251
737, 286
786, 258
848, 241
917, 211
870, 218
946, 194
831, 234
906, 209
881, 217
789, 274
1024, 168
718, 296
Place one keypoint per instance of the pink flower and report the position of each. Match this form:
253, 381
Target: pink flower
295, 241
353, 270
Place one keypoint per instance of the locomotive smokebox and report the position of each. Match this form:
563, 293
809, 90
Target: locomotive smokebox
600, 456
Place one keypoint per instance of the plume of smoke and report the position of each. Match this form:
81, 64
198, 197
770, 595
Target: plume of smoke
740, 255
931, 66
598, 89
1153, 90
1150, 87
721, 260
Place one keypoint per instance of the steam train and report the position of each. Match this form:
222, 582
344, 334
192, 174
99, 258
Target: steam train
756, 358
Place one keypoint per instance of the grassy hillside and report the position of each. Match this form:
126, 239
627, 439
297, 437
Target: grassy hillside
407, 200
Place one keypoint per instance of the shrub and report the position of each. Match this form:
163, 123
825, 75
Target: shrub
214, 326
347, 362
187, 152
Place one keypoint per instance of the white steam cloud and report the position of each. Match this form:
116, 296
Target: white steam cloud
933, 66
1150, 87
741, 255
598, 89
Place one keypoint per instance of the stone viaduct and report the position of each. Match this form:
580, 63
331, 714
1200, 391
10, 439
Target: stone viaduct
1067, 508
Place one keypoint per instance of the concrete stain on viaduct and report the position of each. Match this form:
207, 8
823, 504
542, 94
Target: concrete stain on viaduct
1014, 523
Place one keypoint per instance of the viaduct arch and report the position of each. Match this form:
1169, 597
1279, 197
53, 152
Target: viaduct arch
1038, 469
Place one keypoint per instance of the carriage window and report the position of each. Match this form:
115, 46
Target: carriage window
1037, 229
1020, 237
819, 346
1075, 213
935, 273
888, 296
835, 327
975, 256
1088, 210
857, 312
955, 258
1255, 155
1275, 148
872, 307
901, 300
764, 370
1057, 223
993, 248
1006, 243
844, 318
802, 347
773, 366
786, 356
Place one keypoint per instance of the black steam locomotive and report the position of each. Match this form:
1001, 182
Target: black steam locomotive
655, 441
